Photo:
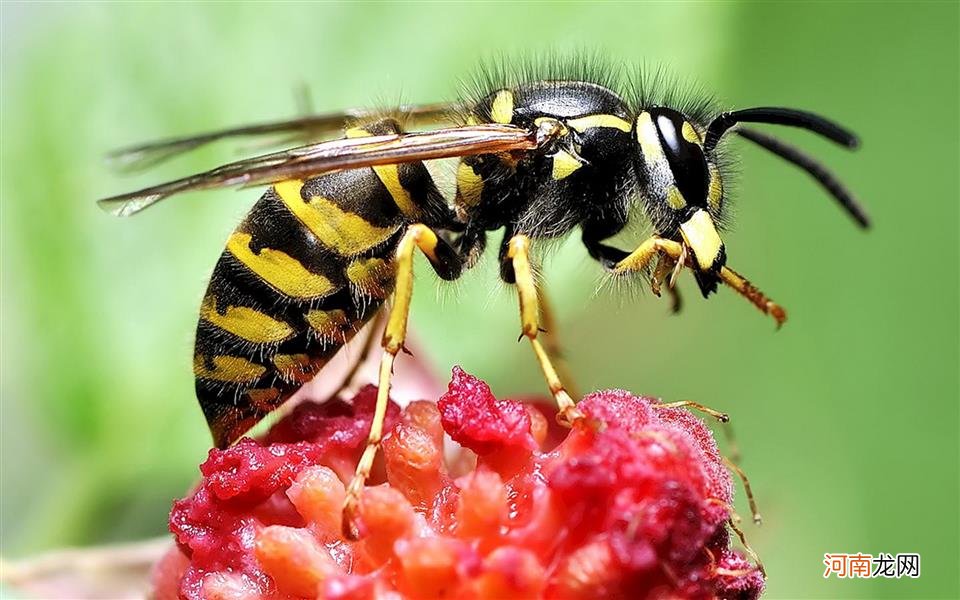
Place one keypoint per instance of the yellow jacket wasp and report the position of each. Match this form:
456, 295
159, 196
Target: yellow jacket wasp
335, 233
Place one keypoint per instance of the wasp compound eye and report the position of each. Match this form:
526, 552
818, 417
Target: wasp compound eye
682, 147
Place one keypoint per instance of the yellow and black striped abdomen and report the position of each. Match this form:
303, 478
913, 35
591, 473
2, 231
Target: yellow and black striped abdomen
310, 264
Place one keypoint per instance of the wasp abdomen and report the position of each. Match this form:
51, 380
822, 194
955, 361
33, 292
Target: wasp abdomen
309, 265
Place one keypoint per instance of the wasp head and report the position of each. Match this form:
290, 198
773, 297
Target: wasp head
681, 187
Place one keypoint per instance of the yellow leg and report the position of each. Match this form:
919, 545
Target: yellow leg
417, 236
665, 268
519, 254
552, 344
361, 358
639, 260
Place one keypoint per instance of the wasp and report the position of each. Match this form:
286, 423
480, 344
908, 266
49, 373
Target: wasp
336, 232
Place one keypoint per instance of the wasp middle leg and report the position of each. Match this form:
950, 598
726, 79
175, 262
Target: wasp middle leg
518, 254
448, 265
552, 343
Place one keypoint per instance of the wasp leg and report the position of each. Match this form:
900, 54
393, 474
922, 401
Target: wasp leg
448, 265
551, 342
665, 268
639, 259
518, 252
361, 358
676, 301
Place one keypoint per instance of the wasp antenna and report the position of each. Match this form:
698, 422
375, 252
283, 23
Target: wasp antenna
780, 116
824, 177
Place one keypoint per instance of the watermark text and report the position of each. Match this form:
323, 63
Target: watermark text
868, 566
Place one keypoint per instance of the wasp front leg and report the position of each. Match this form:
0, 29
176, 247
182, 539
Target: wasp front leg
639, 260
666, 272
518, 258
448, 265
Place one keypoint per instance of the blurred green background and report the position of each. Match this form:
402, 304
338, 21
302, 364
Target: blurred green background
847, 417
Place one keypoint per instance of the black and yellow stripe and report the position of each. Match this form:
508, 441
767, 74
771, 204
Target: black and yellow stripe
310, 264
545, 193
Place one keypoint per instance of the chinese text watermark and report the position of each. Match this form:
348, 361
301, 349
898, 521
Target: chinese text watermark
867, 566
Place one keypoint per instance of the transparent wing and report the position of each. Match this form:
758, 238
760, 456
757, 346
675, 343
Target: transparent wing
302, 129
335, 155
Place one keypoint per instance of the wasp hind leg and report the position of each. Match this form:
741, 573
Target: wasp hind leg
448, 265
518, 254
362, 356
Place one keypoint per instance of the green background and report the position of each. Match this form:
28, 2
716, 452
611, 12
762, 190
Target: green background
847, 417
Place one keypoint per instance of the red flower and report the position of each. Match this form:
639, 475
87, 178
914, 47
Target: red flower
632, 503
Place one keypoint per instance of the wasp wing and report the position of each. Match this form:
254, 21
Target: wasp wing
302, 129
335, 155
